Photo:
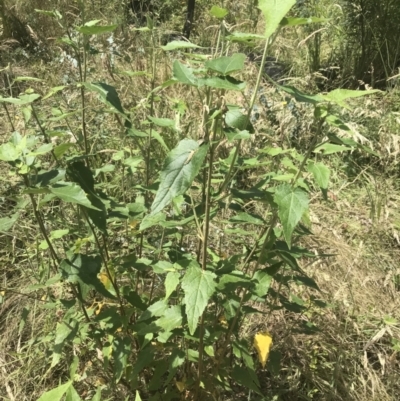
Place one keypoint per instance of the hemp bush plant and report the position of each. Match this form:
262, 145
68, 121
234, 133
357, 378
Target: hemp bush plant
156, 320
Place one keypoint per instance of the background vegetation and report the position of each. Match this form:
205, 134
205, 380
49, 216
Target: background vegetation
97, 268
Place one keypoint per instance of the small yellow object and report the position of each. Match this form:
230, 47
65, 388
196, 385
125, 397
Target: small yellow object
180, 386
262, 343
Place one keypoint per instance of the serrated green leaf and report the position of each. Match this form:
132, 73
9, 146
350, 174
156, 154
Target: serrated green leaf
171, 318
8, 152
71, 193
6, 223
61, 149
246, 377
151, 220
53, 91
183, 74
247, 218
55, 394
227, 83
227, 64
198, 286
339, 96
108, 95
83, 269
179, 44
263, 281
72, 395
321, 174
162, 122
171, 282
64, 333
329, 148
274, 11
302, 96
292, 203
121, 351
236, 119
23, 99
180, 168
97, 396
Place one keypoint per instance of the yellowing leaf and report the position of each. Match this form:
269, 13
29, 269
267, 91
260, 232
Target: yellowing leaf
133, 224
262, 343
180, 386
103, 277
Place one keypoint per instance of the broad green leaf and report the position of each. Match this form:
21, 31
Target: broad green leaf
176, 360
42, 150
301, 96
180, 168
235, 135
198, 286
144, 358
97, 396
246, 377
244, 37
23, 99
227, 83
55, 394
83, 269
171, 318
6, 223
339, 96
337, 122
218, 12
291, 21
121, 351
137, 397
292, 203
72, 395
154, 310
108, 94
61, 149
53, 91
71, 193
321, 173
48, 178
274, 11
183, 74
246, 218
8, 152
236, 119
329, 148
96, 30
179, 44
151, 220
64, 332
227, 64
171, 282
162, 122
263, 281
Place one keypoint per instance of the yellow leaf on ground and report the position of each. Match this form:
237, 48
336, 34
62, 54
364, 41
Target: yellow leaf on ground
262, 343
